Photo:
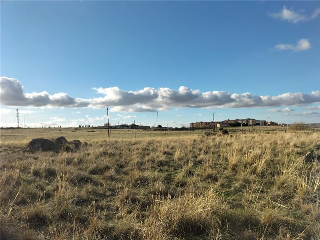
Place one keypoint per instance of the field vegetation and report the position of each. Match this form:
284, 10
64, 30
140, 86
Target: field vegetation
255, 184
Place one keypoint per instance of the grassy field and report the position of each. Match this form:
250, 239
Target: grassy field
24, 135
161, 185
84, 134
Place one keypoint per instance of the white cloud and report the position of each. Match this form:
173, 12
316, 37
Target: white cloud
26, 111
301, 45
56, 119
12, 94
126, 116
99, 118
151, 99
314, 108
308, 114
289, 15
316, 13
277, 110
13, 111
137, 108
129, 117
295, 16
199, 114
6, 111
53, 122
49, 123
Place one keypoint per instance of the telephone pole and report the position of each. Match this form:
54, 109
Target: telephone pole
108, 122
157, 118
214, 126
18, 117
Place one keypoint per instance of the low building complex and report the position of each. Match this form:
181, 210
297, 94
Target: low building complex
232, 123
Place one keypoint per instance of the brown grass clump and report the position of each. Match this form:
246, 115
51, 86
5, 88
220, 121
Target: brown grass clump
245, 185
9, 230
188, 217
299, 126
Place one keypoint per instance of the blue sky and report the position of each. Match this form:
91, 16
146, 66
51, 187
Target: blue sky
262, 48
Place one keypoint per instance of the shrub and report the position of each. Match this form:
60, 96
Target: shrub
225, 132
299, 126
50, 173
37, 218
188, 216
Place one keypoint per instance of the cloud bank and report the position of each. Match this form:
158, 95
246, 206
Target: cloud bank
295, 17
149, 99
301, 45
277, 110
314, 108
308, 114
12, 94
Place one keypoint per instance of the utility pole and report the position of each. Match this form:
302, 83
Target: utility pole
108, 122
157, 118
214, 126
18, 118
24, 119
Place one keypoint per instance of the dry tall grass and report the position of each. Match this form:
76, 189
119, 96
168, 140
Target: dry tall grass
239, 186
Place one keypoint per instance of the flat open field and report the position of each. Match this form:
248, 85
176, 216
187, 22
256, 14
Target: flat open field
84, 134
161, 185
24, 135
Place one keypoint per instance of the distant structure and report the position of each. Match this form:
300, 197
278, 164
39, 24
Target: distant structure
203, 125
273, 124
232, 123
127, 126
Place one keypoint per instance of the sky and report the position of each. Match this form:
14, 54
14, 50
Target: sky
64, 62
